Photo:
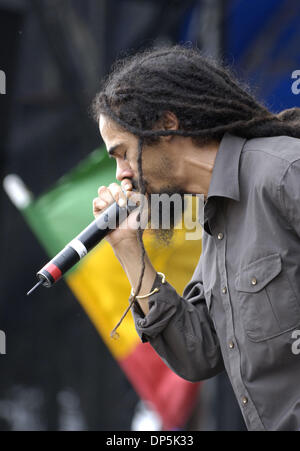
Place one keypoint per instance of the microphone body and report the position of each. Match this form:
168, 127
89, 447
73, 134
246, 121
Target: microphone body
76, 249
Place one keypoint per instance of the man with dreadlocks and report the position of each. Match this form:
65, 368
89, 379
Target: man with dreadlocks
176, 122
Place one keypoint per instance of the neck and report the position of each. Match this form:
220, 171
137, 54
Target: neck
196, 167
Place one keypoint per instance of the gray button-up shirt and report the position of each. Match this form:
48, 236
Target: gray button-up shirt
241, 309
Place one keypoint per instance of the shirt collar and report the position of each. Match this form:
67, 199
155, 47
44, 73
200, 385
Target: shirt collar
225, 176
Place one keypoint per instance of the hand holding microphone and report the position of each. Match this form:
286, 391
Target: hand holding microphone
121, 195
115, 211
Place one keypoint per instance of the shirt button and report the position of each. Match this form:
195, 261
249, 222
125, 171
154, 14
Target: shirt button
231, 345
244, 400
220, 236
253, 281
224, 290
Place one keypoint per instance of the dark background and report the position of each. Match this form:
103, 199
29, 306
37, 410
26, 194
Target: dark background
57, 373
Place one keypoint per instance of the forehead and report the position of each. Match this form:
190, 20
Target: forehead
111, 132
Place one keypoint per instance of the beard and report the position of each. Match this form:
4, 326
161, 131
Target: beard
163, 233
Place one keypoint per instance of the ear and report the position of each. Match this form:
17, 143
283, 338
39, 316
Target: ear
169, 121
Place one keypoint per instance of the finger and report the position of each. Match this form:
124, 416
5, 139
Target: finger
118, 194
126, 184
137, 219
99, 205
139, 200
105, 194
137, 197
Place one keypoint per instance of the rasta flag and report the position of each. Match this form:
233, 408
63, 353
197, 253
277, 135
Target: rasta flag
101, 286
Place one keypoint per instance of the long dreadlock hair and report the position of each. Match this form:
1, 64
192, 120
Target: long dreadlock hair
206, 98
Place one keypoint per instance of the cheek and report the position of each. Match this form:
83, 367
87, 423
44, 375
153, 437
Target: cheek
154, 165
151, 157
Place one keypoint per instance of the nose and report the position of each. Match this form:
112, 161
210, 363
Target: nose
123, 170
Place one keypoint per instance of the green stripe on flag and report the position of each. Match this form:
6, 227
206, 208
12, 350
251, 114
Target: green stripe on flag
59, 215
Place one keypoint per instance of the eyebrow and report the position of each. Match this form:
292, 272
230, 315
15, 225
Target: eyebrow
112, 150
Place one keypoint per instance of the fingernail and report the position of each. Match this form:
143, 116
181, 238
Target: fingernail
127, 186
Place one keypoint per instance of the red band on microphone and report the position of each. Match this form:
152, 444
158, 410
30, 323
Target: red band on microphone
53, 270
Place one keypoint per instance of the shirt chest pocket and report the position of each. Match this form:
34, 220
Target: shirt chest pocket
267, 303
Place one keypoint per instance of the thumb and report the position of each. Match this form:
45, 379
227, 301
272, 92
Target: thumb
139, 217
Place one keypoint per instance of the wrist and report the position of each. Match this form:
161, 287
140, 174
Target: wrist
126, 245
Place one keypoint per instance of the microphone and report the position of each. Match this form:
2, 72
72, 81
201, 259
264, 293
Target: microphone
78, 248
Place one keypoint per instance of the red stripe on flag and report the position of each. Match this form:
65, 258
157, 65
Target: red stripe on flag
172, 397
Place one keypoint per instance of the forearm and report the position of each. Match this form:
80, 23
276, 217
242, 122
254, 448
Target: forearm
129, 253
180, 332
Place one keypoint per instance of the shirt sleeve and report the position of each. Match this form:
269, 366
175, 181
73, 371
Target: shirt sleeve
290, 195
181, 330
